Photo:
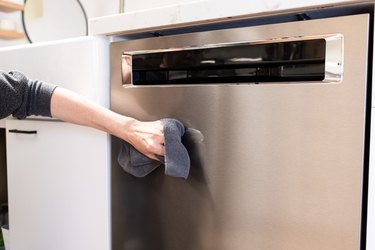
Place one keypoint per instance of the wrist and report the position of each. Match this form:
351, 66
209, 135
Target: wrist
124, 127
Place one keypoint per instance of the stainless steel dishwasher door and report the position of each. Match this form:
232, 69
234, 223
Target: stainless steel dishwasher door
274, 166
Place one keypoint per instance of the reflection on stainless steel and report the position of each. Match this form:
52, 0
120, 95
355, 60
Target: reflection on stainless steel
236, 60
208, 61
274, 166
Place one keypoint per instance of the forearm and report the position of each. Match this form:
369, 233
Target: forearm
70, 107
146, 137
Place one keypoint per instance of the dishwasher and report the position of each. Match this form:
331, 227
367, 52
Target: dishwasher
276, 120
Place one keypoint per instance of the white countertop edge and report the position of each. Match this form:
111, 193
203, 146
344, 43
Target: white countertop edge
29, 118
48, 43
192, 12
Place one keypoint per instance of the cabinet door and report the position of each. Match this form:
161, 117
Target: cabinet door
58, 186
371, 190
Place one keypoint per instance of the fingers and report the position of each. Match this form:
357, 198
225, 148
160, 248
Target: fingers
156, 139
148, 138
155, 147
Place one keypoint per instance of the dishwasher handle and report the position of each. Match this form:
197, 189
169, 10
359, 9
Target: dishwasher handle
16, 131
292, 59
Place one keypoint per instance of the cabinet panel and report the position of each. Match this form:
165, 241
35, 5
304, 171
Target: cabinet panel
371, 190
58, 186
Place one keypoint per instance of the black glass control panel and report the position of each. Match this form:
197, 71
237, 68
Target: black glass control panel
242, 63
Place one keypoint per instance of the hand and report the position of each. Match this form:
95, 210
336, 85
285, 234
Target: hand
147, 137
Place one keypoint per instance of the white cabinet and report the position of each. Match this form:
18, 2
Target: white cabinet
58, 178
58, 181
371, 190
79, 64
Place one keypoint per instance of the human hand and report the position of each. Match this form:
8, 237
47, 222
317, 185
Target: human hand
147, 137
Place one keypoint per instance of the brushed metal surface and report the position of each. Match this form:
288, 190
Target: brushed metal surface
274, 166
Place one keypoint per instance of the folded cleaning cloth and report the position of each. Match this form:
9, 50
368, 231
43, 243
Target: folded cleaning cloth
176, 158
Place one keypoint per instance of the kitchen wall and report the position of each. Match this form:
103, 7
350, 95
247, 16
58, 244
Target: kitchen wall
93, 8
97, 8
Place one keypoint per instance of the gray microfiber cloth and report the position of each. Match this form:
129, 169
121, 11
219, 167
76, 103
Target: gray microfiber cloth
176, 157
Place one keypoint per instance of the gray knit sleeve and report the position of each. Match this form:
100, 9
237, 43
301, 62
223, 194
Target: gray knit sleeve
22, 97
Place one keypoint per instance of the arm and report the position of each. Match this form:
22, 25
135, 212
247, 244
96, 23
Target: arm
22, 97
146, 137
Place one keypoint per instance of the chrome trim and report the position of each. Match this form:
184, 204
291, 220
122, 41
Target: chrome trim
126, 69
334, 65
